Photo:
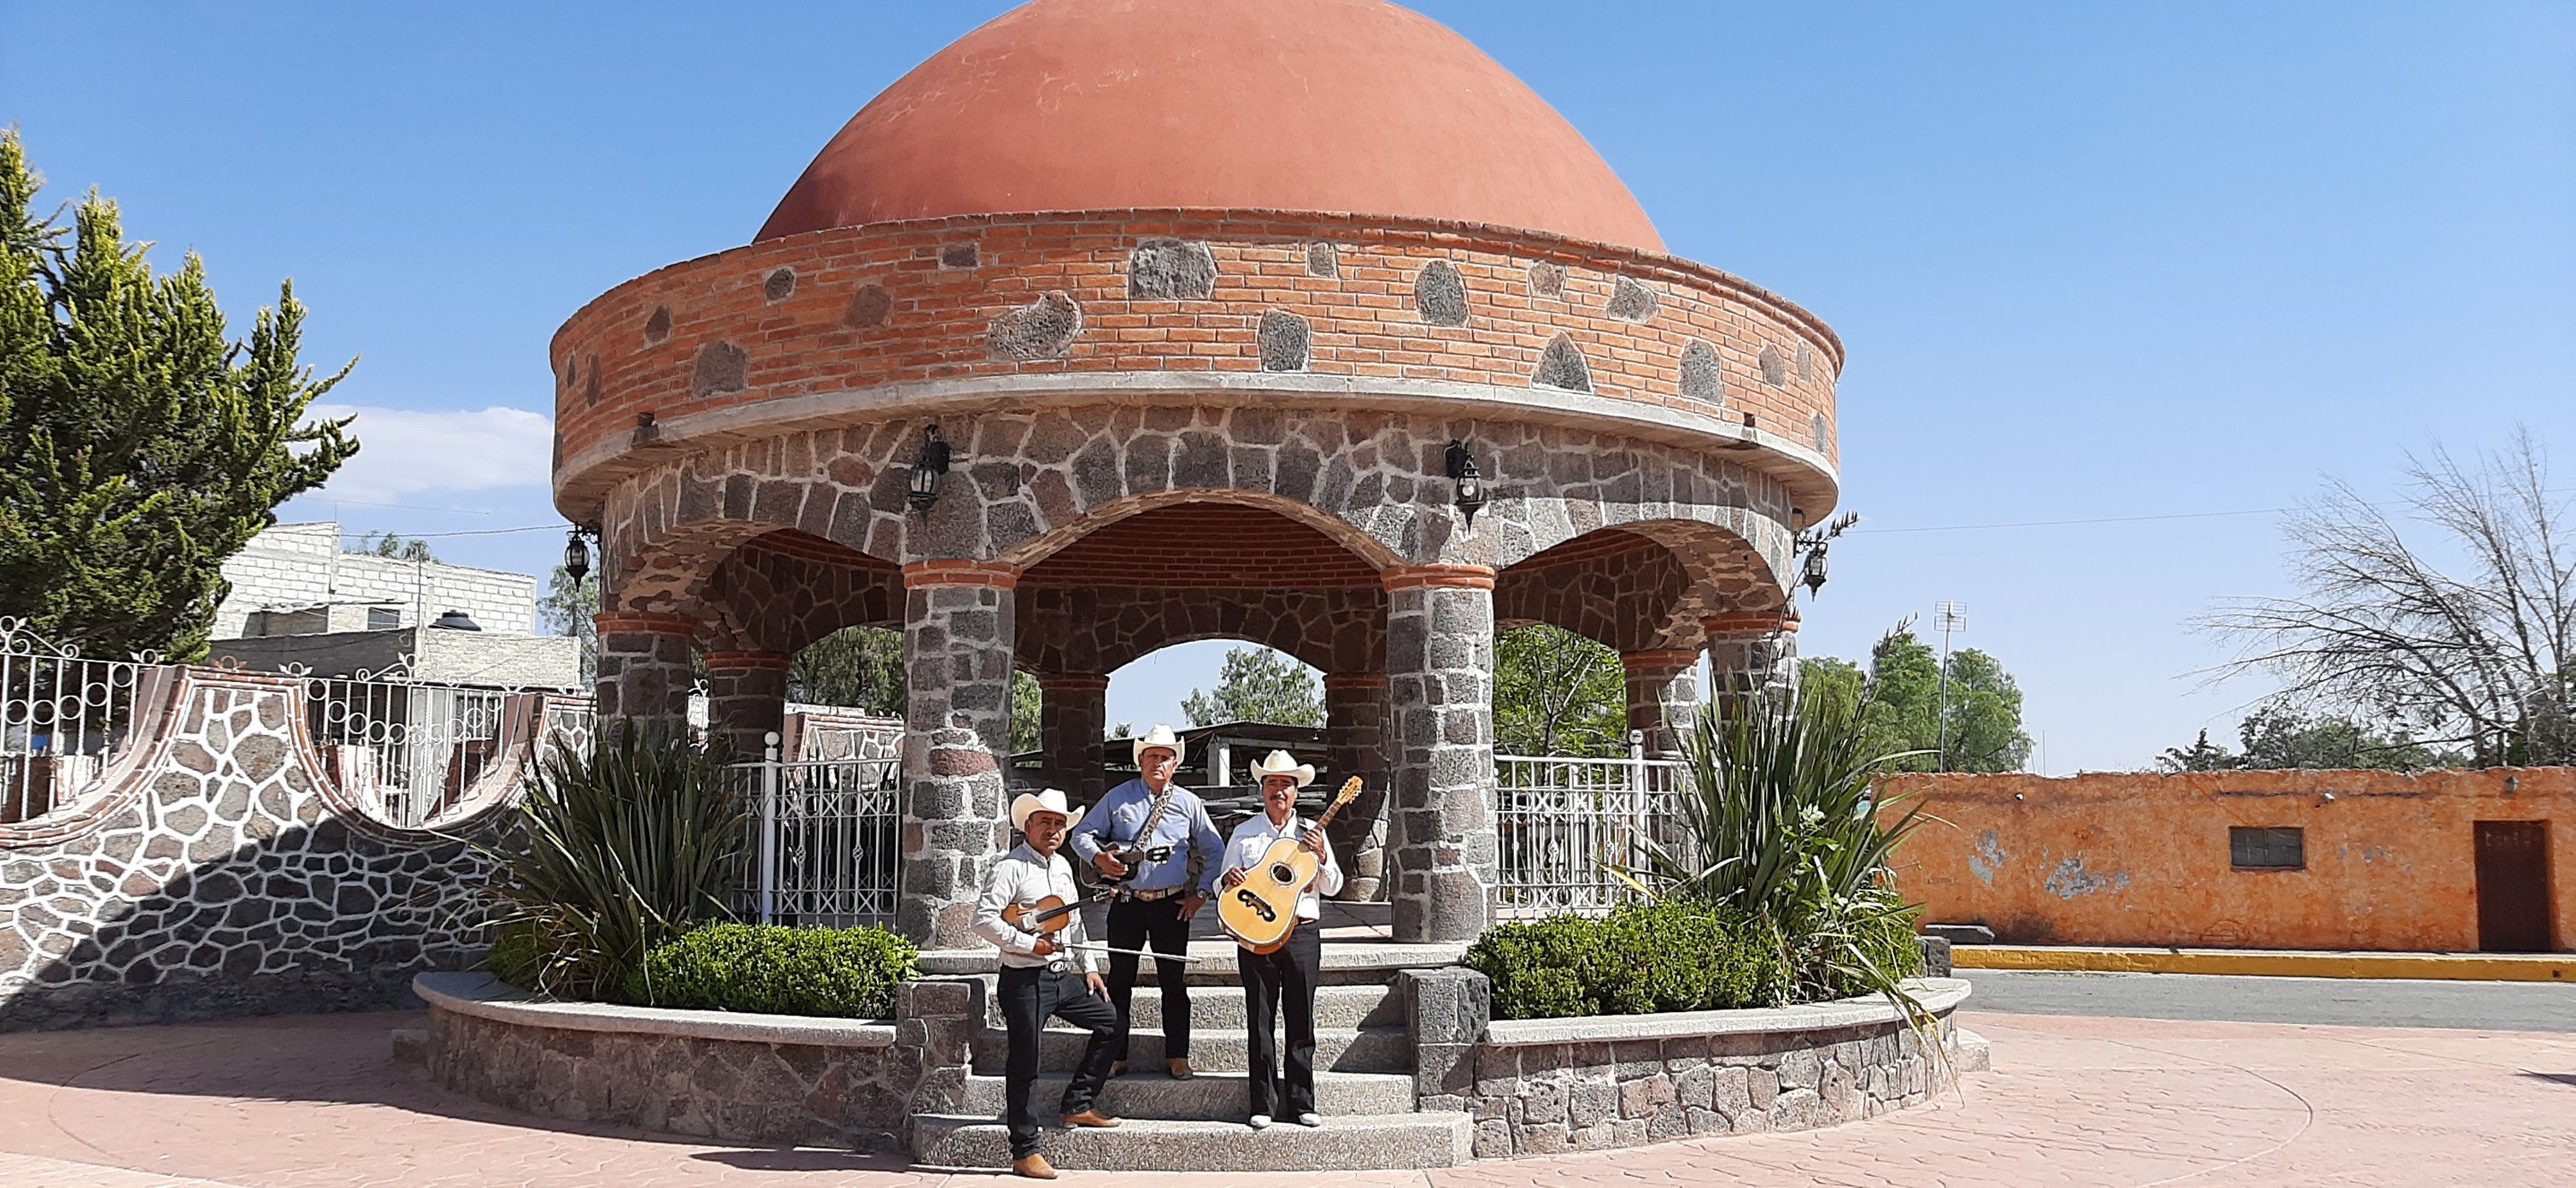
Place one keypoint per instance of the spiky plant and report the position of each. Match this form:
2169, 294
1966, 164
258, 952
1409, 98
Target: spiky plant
1780, 821
610, 854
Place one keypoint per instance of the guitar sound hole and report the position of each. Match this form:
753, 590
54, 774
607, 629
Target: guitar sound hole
1282, 875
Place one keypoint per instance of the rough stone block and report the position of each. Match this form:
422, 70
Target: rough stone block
1170, 269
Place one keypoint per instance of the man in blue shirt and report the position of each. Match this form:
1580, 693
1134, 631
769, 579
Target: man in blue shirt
1154, 903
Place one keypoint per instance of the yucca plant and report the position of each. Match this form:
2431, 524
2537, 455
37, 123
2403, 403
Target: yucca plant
609, 854
1779, 821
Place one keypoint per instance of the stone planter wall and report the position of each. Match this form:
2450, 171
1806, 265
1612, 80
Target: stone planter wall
1544, 1086
735, 1078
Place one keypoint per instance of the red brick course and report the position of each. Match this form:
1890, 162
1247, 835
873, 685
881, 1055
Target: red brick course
636, 349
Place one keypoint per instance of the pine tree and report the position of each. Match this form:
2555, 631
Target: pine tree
1258, 685
139, 446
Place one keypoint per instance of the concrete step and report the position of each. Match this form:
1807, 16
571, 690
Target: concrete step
1345, 962
1219, 1050
1221, 1097
1345, 1143
1214, 1008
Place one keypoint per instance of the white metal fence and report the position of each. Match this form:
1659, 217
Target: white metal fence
63, 718
826, 839
1561, 824
417, 754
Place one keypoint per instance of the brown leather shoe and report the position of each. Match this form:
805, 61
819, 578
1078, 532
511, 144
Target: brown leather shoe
1117, 1068
1034, 1167
1093, 1118
1180, 1067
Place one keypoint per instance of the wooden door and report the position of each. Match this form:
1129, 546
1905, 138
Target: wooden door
2513, 886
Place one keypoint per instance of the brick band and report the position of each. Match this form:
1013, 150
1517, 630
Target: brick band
1764, 623
996, 574
1354, 680
1073, 682
770, 661
643, 623
1658, 661
1414, 577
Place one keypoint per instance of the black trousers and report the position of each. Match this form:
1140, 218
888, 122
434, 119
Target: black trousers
1272, 981
1131, 924
1028, 996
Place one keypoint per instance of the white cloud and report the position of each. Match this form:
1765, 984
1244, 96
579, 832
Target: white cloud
407, 452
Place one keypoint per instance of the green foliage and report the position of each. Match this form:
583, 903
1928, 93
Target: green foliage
139, 445
1974, 726
569, 608
609, 855
1644, 958
2276, 738
861, 667
1027, 726
1258, 685
847, 973
396, 546
1558, 693
1781, 823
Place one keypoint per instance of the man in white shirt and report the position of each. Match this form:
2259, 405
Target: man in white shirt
1286, 977
1046, 970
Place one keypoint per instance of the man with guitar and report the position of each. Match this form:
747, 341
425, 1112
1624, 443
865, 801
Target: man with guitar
1285, 974
1149, 839
1029, 909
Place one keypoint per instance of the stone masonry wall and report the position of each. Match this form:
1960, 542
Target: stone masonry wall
218, 873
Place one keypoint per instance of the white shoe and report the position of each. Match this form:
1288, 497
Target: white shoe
1261, 1121
1310, 1118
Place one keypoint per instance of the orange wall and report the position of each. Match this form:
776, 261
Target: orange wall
2138, 859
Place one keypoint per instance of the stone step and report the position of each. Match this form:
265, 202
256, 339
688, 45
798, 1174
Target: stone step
1221, 1007
1216, 1097
1344, 1143
1220, 1050
1345, 962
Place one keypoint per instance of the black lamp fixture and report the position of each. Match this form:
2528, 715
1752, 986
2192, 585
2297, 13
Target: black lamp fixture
1471, 485
926, 470
576, 555
1811, 569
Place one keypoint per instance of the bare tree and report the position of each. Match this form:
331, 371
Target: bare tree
2480, 661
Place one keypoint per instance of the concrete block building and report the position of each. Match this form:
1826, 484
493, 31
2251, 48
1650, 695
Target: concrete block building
1120, 325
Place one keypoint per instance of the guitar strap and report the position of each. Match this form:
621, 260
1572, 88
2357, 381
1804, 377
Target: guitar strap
1153, 819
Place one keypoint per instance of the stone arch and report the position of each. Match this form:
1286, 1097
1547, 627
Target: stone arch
1639, 586
1036, 549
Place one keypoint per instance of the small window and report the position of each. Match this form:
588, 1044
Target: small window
2267, 849
380, 619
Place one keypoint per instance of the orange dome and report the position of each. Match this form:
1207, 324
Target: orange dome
1311, 105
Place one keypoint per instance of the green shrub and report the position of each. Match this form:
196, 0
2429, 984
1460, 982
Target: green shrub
1641, 959
609, 854
847, 973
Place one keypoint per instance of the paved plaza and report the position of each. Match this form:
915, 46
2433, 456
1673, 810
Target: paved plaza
310, 1101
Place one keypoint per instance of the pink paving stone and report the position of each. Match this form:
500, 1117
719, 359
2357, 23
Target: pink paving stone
317, 1102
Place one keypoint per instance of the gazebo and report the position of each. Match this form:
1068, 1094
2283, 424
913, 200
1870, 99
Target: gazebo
1125, 323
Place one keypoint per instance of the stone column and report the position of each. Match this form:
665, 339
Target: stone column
1440, 696
957, 643
1750, 654
1073, 713
1663, 697
644, 670
746, 700
1355, 745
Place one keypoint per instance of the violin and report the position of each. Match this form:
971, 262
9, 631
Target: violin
1047, 915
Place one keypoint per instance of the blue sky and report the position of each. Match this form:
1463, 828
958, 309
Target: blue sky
2091, 261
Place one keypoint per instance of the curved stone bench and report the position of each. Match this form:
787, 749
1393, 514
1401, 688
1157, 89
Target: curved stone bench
714, 1074
1543, 1086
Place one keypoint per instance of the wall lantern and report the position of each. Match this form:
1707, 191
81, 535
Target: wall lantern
926, 470
1471, 485
1812, 574
576, 556
1811, 570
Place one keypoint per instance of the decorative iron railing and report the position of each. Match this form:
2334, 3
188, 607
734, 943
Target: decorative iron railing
825, 840
63, 718
1562, 825
417, 754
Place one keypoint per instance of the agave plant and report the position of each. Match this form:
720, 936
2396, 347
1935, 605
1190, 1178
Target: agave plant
610, 854
1780, 820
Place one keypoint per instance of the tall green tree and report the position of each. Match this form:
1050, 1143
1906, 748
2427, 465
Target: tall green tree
1258, 685
139, 445
1028, 729
859, 667
1972, 725
1557, 693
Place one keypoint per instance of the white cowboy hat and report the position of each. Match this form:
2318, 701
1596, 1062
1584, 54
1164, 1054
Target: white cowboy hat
1026, 803
1159, 736
1279, 763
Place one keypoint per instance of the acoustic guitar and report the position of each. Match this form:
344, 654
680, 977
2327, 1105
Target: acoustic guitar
1262, 909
